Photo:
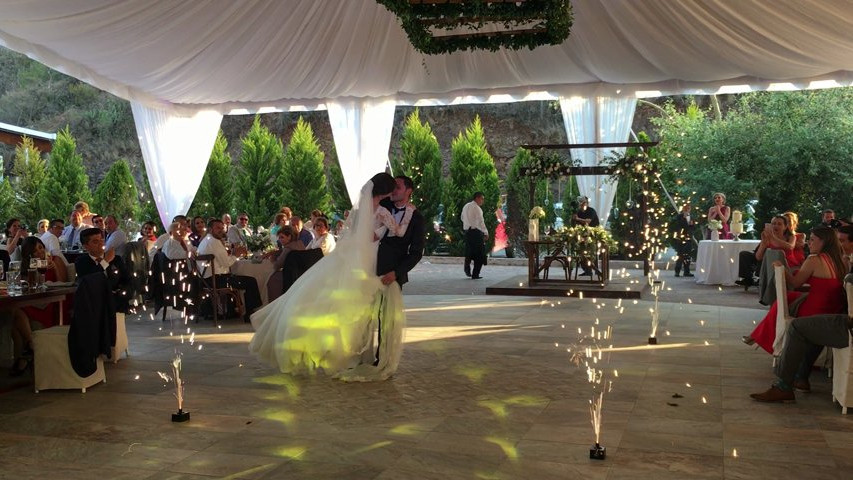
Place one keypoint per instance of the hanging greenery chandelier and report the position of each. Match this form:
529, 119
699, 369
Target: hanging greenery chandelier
487, 24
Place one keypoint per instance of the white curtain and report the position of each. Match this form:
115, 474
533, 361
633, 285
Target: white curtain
362, 131
176, 150
597, 120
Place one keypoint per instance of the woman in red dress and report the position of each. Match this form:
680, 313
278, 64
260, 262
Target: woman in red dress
798, 255
823, 270
33, 248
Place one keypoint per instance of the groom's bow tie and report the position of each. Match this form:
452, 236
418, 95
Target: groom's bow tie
395, 209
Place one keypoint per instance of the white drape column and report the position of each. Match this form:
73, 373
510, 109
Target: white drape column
176, 149
362, 131
597, 120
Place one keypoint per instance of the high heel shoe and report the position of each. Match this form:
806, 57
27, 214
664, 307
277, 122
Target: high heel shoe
20, 366
747, 340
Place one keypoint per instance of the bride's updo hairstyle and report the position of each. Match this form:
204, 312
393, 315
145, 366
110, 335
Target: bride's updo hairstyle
383, 184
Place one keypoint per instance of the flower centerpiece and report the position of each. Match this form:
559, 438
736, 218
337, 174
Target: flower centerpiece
536, 213
715, 226
259, 243
585, 241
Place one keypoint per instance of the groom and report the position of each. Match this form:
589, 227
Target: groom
398, 255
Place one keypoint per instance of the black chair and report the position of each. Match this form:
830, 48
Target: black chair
207, 288
170, 283
4, 256
136, 263
297, 263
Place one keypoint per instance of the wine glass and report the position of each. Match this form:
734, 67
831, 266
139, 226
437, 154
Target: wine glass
41, 266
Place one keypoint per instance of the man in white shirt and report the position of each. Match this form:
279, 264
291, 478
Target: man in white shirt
222, 261
50, 239
176, 247
237, 234
323, 239
115, 238
162, 239
474, 227
71, 233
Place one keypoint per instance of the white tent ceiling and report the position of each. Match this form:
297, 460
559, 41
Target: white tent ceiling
183, 64
240, 56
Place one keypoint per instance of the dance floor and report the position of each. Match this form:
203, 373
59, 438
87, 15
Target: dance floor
486, 390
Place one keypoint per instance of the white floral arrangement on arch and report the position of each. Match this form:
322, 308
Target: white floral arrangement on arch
546, 165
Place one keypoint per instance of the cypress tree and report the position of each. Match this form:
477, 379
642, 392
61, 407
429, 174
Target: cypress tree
31, 172
259, 175
421, 160
66, 182
305, 188
216, 192
338, 188
472, 169
116, 194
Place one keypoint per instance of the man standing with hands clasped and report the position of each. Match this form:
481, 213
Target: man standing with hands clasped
476, 235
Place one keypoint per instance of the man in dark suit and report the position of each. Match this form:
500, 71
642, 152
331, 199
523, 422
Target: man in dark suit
682, 240
98, 261
399, 255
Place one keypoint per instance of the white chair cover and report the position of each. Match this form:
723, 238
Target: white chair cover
53, 363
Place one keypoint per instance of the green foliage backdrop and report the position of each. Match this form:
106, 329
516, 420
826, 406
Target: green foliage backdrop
116, 194
30, 172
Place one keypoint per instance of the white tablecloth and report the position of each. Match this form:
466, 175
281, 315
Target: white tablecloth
717, 261
260, 271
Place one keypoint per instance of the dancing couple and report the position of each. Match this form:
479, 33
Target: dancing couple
329, 319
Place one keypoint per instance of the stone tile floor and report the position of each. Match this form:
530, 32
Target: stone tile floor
485, 390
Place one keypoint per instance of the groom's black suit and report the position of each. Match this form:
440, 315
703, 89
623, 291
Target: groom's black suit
401, 254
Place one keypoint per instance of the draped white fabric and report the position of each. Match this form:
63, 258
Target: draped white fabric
597, 120
262, 55
362, 131
176, 150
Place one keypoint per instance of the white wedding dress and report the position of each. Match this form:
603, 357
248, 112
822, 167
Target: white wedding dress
327, 319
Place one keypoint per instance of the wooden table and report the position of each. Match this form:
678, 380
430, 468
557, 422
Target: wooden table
51, 295
535, 267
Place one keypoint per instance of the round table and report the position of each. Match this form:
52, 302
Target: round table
261, 272
717, 260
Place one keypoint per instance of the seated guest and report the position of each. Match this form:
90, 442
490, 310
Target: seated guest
226, 220
212, 245
71, 235
22, 339
279, 221
777, 237
823, 270
42, 226
585, 215
304, 234
806, 337
50, 238
798, 255
828, 219
845, 239
148, 235
33, 248
287, 242
161, 240
99, 261
324, 240
115, 238
15, 234
238, 234
309, 225
198, 230
176, 247
98, 222
86, 216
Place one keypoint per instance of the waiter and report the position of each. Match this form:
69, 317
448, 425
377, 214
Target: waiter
475, 235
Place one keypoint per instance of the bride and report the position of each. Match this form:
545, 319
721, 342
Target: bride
326, 320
